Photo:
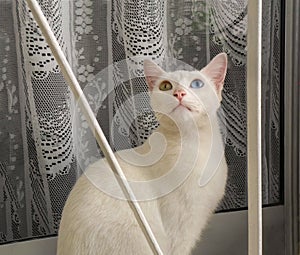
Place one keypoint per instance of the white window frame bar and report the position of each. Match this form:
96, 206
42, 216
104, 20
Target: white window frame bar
93, 124
254, 34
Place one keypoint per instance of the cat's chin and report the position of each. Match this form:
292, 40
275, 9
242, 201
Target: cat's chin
183, 114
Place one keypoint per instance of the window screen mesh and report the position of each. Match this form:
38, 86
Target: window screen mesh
38, 157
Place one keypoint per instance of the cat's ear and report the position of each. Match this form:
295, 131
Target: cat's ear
152, 73
216, 71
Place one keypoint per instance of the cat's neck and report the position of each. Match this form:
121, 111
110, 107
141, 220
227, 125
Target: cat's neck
202, 127
193, 143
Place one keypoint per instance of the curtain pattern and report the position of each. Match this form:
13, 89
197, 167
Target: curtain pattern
39, 156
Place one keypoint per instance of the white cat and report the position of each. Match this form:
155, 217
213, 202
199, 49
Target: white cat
95, 223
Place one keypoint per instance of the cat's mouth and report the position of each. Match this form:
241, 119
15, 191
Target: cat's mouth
182, 105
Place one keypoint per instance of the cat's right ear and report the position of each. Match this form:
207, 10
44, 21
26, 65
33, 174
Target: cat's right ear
152, 73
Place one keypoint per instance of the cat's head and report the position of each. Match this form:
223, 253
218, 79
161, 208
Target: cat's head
185, 95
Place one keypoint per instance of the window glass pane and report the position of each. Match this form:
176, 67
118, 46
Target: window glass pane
39, 158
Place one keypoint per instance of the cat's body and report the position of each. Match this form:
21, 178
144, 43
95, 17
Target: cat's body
95, 223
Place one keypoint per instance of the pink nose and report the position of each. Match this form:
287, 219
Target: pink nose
179, 94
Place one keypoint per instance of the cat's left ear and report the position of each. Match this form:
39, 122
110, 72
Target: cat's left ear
152, 73
216, 71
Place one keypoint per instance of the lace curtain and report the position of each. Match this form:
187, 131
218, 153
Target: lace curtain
39, 156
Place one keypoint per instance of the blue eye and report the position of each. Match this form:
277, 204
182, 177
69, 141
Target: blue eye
197, 84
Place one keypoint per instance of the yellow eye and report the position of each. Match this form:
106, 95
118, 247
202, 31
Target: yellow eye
165, 86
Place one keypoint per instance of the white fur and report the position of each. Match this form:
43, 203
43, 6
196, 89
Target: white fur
96, 223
